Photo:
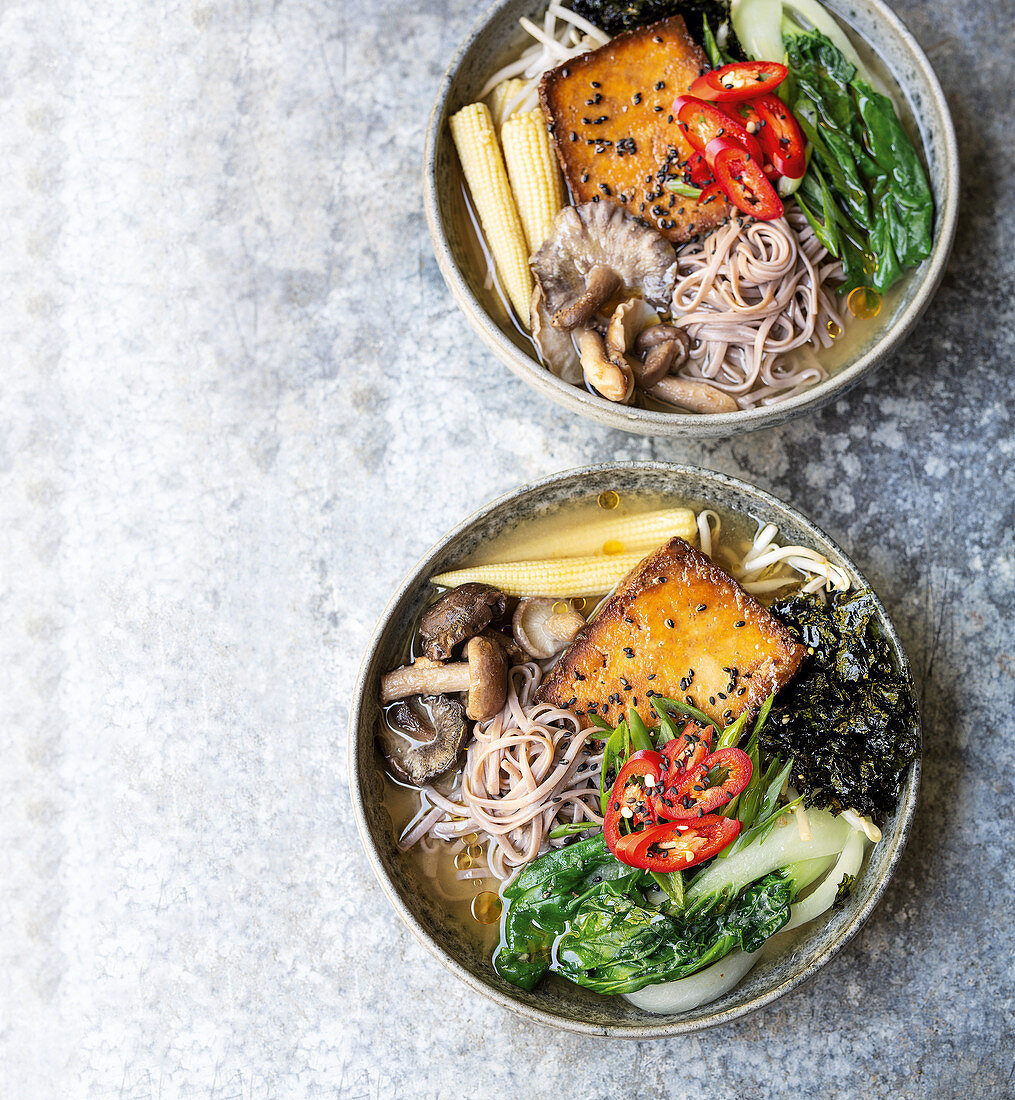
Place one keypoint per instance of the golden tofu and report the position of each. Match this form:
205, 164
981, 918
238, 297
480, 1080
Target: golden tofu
611, 116
681, 627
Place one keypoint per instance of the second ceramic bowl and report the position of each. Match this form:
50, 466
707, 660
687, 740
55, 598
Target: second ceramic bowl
783, 964
879, 35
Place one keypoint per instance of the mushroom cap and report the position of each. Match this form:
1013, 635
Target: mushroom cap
555, 347
629, 320
544, 626
602, 234
441, 733
487, 678
461, 613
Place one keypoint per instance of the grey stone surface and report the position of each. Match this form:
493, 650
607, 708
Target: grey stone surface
238, 403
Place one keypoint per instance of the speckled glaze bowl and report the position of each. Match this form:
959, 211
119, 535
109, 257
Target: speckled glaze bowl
492, 42
784, 963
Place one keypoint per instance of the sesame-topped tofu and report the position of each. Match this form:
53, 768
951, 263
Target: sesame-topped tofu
611, 116
680, 627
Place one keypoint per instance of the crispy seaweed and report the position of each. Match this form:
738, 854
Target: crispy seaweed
614, 16
849, 718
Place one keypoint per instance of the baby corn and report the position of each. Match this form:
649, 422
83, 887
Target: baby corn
476, 141
614, 535
501, 97
586, 576
535, 177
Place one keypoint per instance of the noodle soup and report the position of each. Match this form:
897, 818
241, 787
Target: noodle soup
777, 316
527, 779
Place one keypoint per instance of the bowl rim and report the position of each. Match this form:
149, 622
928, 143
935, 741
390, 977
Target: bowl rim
651, 421
907, 800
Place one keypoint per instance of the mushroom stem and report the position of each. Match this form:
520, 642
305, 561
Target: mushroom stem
659, 361
424, 678
615, 383
690, 394
600, 284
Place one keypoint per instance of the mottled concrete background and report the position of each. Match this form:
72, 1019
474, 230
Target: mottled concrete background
225, 438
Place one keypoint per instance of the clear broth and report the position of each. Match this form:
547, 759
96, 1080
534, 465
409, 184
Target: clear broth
403, 803
859, 333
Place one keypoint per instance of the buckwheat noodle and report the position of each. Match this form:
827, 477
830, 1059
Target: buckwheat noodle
747, 295
527, 770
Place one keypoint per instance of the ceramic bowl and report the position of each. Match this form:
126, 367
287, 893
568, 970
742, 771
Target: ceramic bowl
792, 957
496, 38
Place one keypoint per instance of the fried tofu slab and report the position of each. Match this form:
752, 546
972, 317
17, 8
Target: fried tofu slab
680, 627
611, 116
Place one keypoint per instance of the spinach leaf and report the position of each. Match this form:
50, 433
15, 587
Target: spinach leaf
617, 944
865, 192
544, 897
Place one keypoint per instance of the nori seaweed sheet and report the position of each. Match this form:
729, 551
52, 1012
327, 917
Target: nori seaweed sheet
614, 16
849, 717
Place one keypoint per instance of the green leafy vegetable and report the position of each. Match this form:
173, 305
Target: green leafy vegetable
615, 944
865, 192
544, 898
849, 718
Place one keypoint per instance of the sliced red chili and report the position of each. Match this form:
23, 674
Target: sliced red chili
720, 777
698, 171
710, 194
632, 791
781, 137
742, 179
739, 80
703, 122
677, 845
681, 754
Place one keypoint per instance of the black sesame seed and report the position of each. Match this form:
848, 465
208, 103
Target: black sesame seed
670, 623
605, 188
702, 607
574, 136
660, 84
722, 695
651, 676
565, 73
579, 675
740, 623
657, 108
711, 700
595, 83
669, 118
636, 98
586, 122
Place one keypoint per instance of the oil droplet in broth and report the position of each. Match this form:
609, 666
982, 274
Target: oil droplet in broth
471, 838
486, 907
608, 500
578, 603
475, 852
613, 546
561, 607
834, 329
864, 302
463, 861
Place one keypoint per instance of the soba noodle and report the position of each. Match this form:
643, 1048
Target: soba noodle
527, 770
747, 295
